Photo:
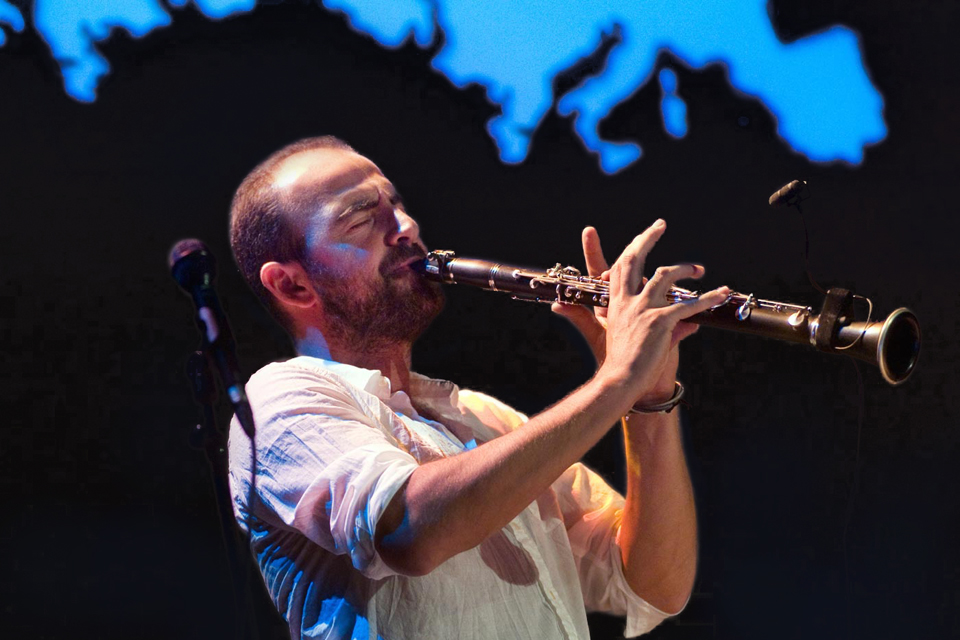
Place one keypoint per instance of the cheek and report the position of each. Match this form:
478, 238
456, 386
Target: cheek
325, 249
346, 261
347, 253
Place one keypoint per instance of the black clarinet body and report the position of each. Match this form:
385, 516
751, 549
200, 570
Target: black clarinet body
891, 344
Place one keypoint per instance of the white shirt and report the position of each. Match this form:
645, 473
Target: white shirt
333, 447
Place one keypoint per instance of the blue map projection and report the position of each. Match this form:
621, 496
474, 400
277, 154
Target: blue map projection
11, 17
672, 106
71, 28
816, 88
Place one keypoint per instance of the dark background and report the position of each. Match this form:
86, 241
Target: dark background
810, 526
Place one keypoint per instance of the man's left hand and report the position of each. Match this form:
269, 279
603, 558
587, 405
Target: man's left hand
592, 323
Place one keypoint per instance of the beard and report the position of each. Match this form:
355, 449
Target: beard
394, 307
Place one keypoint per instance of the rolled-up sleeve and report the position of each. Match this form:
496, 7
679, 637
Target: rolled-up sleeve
592, 512
323, 468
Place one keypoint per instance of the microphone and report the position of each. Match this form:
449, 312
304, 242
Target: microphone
787, 193
194, 268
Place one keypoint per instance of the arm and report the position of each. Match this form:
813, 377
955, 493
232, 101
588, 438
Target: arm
658, 534
452, 505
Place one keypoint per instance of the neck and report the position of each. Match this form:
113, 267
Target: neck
391, 359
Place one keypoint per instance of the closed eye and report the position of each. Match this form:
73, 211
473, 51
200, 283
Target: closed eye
358, 213
360, 223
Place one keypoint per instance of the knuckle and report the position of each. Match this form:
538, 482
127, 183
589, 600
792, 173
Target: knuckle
659, 320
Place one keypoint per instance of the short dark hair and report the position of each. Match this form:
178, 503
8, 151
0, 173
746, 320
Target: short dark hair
261, 224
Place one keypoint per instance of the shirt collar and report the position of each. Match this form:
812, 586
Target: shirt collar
422, 388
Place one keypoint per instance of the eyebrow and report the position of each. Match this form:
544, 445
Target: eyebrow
364, 201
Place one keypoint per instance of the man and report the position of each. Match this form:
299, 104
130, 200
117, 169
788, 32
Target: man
391, 505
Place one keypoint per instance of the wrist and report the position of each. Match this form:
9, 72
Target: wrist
661, 392
615, 386
662, 406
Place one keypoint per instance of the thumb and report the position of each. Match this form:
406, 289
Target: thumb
581, 317
681, 331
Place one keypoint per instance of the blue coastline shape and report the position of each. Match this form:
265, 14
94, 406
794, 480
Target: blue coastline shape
390, 22
816, 88
72, 28
672, 106
514, 50
217, 9
11, 17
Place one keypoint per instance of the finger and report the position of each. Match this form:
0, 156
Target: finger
601, 312
627, 273
593, 253
683, 330
664, 278
581, 317
575, 313
689, 308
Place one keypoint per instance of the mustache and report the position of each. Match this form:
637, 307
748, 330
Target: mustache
402, 254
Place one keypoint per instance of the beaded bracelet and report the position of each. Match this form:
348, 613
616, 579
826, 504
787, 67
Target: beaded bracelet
663, 407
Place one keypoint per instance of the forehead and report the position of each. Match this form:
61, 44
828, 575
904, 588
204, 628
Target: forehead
323, 175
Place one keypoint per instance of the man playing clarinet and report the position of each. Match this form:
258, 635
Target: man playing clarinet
391, 505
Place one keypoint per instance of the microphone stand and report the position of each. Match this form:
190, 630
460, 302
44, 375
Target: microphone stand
250, 620
194, 268
207, 436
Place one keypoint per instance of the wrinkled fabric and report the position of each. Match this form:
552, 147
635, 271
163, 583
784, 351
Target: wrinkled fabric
333, 447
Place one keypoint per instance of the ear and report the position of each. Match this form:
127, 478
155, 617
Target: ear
289, 284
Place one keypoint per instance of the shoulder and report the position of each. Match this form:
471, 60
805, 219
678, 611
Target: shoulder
298, 385
492, 412
294, 373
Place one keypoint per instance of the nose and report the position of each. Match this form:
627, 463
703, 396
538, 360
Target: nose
405, 231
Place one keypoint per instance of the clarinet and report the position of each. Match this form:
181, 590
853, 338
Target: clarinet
891, 344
